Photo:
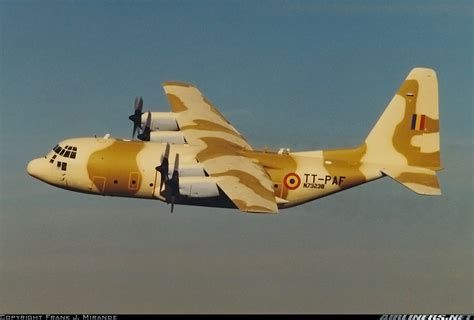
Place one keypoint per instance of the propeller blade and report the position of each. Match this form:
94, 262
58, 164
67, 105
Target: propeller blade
148, 120
176, 168
136, 117
173, 198
145, 135
134, 130
167, 152
163, 168
173, 183
138, 103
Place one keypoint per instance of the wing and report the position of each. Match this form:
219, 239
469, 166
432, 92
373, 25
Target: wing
197, 117
245, 182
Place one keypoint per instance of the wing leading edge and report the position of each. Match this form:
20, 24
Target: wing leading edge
245, 182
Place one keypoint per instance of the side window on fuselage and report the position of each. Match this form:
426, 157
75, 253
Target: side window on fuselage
61, 165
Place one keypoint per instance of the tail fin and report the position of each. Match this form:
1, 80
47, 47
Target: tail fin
405, 140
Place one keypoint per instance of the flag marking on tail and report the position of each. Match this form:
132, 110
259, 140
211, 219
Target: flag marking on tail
418, 122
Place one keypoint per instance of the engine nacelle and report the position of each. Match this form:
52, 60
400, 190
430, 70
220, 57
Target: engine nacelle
172, 137
198, 187
194, 170
163, 121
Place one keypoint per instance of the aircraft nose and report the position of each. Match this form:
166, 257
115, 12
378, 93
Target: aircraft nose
35, 167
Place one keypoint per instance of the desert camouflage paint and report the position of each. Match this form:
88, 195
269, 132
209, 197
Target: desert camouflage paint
403, 144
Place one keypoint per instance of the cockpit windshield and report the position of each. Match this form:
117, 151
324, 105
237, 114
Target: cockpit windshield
60, 153
67, 151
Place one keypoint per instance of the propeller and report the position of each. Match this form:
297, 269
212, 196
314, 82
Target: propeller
163, 168
173, 183
145, 135
171, 190
136, 117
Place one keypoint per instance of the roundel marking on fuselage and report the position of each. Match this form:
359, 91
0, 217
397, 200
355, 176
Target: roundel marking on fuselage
292, 181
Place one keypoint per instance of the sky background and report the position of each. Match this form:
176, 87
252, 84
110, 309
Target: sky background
301, 74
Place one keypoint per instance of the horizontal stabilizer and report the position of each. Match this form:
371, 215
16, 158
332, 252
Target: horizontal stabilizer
419, 180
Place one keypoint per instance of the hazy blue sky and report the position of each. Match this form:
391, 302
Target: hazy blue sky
300, 74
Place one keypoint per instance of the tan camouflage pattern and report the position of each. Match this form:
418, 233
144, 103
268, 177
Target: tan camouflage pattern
401, 151
254, 180
246, 183
121, 177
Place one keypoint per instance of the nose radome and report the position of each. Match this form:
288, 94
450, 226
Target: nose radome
34, 167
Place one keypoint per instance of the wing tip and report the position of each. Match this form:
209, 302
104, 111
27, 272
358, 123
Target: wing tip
177, 84
259, 211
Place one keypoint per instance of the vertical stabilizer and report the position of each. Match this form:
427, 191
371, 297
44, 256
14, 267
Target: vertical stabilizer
405, 140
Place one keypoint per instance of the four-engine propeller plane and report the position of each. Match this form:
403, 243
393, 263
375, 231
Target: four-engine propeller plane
194, 156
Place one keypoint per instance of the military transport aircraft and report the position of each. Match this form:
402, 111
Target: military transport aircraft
194, 156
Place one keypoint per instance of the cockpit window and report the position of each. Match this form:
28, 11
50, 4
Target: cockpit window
67, 152
62, 165
52, 159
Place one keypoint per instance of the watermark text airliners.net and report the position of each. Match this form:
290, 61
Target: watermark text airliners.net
424, 317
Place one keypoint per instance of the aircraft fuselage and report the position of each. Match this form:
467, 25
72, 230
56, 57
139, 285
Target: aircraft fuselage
124, 168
